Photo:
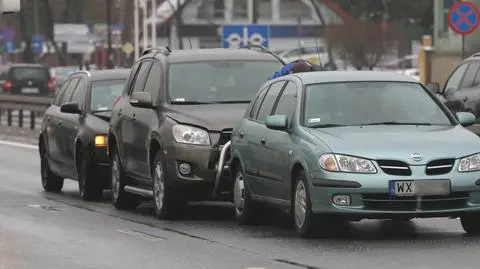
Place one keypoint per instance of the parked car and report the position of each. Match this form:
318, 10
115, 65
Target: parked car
27, 79
172, 124
353, 145
462, 89
73, 138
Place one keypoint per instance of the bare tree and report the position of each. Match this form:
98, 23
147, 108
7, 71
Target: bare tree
50, 32
325, 25
362, 44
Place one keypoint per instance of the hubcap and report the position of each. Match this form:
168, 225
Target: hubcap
300, 204
158, 185
239, 193
115, 178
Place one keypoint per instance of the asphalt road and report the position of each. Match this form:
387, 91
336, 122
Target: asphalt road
57, 230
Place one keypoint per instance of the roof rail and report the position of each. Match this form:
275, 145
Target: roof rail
475, 54
163, 50
264, 50
82, 71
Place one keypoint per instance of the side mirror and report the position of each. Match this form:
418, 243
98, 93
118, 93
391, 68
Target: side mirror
71, 108
434, 87
277, 122
465, 118
141, 99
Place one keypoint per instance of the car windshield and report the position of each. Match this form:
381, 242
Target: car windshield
30, 73
104, 93
218, 81
371, 103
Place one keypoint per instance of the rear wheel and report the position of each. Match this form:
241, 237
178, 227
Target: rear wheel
50, 181
120, 198
88, 184
471, 223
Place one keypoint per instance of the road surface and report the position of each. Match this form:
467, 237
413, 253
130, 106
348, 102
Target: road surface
41, 230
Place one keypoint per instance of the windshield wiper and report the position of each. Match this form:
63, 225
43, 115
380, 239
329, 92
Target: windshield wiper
328, 125
397, 123
100, 111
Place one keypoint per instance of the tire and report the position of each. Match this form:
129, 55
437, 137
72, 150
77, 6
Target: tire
50, 181
303, 218
121, 199
245, 207
471, 223
167, 204
89, 186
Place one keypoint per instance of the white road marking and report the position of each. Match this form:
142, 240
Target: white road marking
18, 145
141, 235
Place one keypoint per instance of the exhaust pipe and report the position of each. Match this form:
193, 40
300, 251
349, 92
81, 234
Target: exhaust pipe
220, 167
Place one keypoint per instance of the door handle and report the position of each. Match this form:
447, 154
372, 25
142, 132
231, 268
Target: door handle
242, 134
263, 140
49, 118
133, 116
465, 99
60, 123
119, 113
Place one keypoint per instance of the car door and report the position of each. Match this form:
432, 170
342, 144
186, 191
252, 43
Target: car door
279, 144
469, 90
63, 121
130, 136
71, 122
144, 119
450, 91
51, 118
260, 155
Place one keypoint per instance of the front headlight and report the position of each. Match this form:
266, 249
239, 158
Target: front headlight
190, 135
344, 163
470, 163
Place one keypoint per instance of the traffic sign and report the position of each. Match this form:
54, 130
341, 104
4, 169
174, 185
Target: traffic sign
9, 46
464, 17
128, 48
238, 35
37, 44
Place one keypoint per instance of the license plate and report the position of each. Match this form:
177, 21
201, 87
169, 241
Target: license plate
30, 90
419, 187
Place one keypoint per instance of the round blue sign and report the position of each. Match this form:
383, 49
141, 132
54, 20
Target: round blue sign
463, 17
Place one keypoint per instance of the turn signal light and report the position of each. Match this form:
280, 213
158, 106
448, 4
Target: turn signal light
100, 141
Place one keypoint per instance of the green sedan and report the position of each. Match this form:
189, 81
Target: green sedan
354, 145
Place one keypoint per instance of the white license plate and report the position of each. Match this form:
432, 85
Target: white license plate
419, 187
30, 90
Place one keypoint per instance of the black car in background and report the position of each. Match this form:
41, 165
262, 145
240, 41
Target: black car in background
170, 131
73, 138
27, 79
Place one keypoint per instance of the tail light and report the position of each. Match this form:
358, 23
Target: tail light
7, 85
51, 85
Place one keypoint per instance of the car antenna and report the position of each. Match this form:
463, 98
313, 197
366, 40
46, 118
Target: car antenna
318, 53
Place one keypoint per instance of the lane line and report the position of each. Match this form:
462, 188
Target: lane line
18, 144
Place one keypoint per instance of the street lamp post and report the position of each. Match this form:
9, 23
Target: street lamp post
136, 26
109, 23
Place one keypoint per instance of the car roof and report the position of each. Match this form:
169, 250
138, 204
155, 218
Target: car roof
196, 55
26, 65
107, 74
351, 76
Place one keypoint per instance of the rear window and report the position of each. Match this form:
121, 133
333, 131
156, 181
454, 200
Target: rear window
30, 73
104, 93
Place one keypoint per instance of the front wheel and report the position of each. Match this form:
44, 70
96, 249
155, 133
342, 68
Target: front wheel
471, 223
245, 210
89, 186
167, 204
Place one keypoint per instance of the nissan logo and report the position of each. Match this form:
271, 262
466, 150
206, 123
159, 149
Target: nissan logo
416, 157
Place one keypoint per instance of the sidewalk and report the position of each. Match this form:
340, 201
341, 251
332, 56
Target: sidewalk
20, 135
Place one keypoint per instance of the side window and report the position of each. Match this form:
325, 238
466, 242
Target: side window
131, 78
456, 77
4, 73
79, 93
267, 104
60, 92
154, 81
257, 102
470, 75
68, 91
288, 102
139, 84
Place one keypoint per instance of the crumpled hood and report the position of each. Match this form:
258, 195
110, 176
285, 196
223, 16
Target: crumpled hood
399, 142
213, 117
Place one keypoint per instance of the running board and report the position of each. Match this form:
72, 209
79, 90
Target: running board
138, 191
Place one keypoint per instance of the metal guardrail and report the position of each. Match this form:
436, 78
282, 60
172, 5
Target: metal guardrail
10, 103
